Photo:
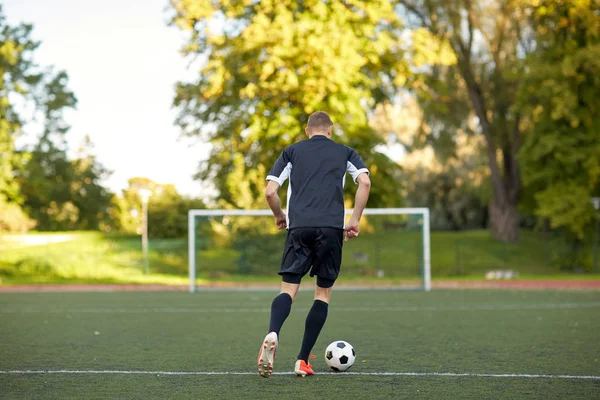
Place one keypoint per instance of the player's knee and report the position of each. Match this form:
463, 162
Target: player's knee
324, 299
323, 294
290, 288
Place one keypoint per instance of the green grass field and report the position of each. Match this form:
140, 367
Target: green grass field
168, 334
92, 257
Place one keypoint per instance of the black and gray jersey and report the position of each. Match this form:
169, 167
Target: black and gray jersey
317, 169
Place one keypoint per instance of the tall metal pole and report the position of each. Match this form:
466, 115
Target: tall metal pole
596, 245
596, 202
192, 250
145, 234
145, 193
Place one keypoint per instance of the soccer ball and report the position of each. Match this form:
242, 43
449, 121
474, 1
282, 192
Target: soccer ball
340, 356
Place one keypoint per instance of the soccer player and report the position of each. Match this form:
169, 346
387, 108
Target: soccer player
317, 170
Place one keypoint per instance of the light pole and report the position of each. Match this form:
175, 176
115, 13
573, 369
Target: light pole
145, 193
596, 203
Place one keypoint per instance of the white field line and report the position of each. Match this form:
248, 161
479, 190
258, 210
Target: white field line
440, 374
479, 307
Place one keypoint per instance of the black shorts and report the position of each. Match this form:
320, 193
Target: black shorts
319, 248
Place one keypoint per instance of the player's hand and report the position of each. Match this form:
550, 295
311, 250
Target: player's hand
280, 221
352, 229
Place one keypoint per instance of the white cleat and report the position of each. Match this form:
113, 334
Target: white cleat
266, 355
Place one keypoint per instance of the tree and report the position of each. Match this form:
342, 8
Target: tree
31, 93
489, 40
443, 166
168, 212
90, 197
64, 194
17, 79
559, 96
167, 209
269, 65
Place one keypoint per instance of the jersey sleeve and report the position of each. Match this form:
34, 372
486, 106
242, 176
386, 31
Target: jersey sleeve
281, 169
355, 165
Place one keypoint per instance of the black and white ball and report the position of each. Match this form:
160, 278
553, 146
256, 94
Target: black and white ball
340, 356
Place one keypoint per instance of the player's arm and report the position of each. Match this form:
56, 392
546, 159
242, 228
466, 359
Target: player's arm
360, 202
275, 204
362, 195
360, 174
276, 177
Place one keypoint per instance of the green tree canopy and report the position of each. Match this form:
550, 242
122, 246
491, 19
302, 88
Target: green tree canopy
489, 40
17, 80
269, 65
560, 94
40, 179
27, 92
167, 209
443, 170
62, 193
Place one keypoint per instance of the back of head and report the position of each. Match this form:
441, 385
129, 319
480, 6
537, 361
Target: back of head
319, 122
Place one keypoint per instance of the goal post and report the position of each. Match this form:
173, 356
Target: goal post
395, 243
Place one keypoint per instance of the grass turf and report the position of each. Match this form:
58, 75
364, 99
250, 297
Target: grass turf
479, 332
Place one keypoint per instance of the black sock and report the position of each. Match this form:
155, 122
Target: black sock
280, 309
314, 323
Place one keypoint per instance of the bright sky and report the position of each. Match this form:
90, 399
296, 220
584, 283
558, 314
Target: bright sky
123, 62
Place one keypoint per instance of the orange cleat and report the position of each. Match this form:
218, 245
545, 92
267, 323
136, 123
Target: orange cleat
302, 368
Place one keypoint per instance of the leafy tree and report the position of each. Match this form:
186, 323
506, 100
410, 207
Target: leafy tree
168, 212
90, 197
56, 191
444, 172
269, 65
45, 184
561, 148
127, 208
454, 205
18, 79
167, 209
489, 40
13, 218
63, 194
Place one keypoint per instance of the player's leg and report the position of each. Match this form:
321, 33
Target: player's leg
293, 267
296, 262
315, 320
282, 304
326, 265
280, 309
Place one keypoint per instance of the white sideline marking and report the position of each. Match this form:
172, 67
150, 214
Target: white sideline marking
443, 374
481, 307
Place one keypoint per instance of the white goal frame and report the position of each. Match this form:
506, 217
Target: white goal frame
192, 214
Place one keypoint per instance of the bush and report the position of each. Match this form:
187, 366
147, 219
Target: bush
13, 219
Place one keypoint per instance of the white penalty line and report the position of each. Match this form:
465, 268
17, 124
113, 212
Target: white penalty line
210, 373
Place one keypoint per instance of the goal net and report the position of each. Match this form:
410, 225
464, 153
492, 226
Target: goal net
244, 245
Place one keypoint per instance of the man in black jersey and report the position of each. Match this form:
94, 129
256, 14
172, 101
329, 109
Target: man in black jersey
317, 170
